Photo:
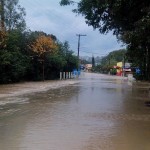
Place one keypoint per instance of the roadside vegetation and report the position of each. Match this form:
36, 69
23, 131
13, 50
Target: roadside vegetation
26, 54
108, 62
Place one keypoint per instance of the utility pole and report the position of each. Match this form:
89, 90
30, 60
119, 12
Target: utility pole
79, 35
123, 66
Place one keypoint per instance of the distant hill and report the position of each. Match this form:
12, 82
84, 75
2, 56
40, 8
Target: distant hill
111, 59
87, 59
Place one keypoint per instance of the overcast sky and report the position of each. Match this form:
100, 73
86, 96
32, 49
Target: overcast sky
50, 17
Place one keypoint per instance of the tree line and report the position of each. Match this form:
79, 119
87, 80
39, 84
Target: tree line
26, 54
128, 19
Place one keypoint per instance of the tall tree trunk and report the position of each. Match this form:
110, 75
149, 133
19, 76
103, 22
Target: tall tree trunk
2, 16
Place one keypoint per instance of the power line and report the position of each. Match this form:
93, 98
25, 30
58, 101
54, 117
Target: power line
100, 54
92, 52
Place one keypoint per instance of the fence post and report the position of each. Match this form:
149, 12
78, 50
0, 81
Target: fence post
64, 76
60, 75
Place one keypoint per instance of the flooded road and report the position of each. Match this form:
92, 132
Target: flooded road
98, 113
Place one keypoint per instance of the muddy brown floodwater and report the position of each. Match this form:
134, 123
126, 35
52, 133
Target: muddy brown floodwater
97, 113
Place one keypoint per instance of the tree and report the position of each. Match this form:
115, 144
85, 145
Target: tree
69, 57
118, 15
2, 16
3, 37
12, 15
43, 45
93, 61
13, 61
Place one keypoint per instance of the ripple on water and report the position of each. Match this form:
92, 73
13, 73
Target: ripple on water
14, 100
126, 117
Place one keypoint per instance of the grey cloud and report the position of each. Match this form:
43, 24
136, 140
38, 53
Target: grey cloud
50, 17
